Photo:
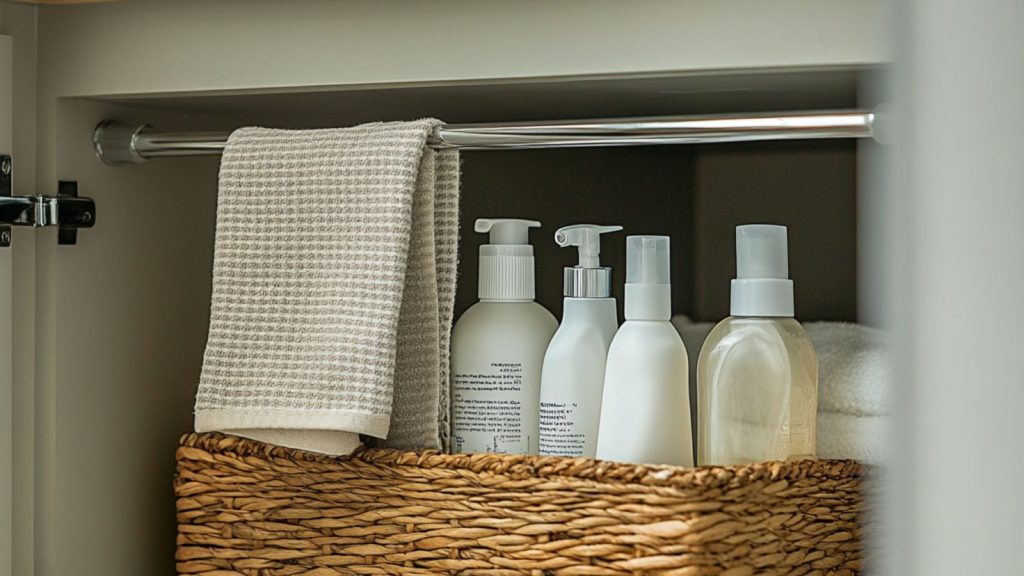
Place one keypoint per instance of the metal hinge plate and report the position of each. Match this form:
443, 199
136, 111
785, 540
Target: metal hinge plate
66, 210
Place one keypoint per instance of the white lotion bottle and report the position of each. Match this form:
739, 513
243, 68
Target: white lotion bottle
498, 348
572, 379
757, 374
645, 412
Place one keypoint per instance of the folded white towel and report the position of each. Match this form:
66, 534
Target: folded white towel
333, 288
862, 438
854, 373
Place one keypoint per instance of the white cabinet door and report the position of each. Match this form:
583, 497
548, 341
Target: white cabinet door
958, 306
6, 328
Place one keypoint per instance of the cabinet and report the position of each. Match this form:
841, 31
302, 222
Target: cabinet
106, 336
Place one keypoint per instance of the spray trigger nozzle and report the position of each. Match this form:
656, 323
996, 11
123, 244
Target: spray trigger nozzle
587, 237
506, 230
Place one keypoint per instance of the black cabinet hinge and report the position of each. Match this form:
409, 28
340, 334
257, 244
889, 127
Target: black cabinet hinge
67, 210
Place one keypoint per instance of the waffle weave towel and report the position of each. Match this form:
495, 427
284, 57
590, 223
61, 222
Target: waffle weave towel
333, 287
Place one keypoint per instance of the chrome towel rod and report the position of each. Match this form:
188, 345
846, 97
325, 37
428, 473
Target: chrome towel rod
119, 143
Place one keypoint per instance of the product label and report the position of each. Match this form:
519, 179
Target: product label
559, 434
487, 413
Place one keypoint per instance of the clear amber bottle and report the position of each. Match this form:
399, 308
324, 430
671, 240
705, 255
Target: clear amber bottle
757, 374
757, 393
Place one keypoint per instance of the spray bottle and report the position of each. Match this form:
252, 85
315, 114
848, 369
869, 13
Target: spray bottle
757, 374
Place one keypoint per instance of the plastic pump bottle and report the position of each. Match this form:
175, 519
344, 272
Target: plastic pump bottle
645, 413
498, 348
757, 374
573, 375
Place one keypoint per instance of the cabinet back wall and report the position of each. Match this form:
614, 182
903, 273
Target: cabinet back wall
697, 195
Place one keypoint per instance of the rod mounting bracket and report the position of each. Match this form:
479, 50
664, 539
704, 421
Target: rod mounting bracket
115, 142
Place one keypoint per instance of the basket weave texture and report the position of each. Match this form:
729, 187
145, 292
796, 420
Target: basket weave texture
248, 508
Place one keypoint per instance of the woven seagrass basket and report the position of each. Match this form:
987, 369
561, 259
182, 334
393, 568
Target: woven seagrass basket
247, 508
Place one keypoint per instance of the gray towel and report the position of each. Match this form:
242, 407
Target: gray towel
333, 288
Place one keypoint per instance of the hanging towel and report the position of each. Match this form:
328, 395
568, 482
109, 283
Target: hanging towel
333, 288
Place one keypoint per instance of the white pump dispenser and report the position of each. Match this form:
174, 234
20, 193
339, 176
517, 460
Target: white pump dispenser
506, 263
586, 237
498, 347
573, 376
757, 374
645, 412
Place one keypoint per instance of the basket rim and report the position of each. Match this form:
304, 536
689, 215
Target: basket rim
519, 466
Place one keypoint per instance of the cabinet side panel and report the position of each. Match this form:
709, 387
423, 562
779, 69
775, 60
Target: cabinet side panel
19, 22
6, 332
130, 305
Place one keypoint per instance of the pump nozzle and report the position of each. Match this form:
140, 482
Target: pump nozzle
587, 237
506, 230
506, 261
589, 279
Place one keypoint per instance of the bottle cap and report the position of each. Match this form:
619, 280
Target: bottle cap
647, 260
506, 262
648, 278
588, 279
762, 286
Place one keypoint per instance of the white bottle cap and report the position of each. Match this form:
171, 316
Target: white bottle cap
762, 286
648, 278
506, 263
588, 279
